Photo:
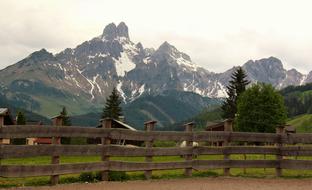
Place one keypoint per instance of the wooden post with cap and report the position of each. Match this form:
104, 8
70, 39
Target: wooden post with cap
149, 126
106, 124
188, 128
57, 122
228, 126
1, 125
279, 145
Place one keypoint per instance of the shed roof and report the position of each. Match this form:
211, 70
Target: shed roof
4, 111
215, 125
120, 124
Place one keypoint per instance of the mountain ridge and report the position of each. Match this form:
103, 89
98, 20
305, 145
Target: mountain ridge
87, 73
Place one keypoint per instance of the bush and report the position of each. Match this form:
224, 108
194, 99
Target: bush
113, 176
87, 177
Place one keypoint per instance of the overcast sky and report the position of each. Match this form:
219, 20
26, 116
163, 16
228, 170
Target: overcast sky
216, 34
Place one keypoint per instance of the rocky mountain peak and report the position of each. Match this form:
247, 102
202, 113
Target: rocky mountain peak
41, 55
111, 31
122, 30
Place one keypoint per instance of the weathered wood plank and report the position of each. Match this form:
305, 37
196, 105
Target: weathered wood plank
143, 166
19, 151
296, 164
16, 131
45, 170
52, 169
303, 138
296, 151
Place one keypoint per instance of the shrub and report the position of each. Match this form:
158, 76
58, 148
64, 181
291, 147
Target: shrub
87, 177
113, 176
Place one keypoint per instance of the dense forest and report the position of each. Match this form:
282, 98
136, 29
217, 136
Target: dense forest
298, 99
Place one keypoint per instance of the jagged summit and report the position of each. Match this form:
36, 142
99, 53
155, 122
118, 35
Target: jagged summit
167, 48
111, 31
122, 30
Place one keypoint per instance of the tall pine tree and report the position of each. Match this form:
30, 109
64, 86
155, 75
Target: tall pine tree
236, 86
65, 122
112, 107
20, 120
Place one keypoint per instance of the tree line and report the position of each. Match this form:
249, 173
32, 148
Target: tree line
258, 108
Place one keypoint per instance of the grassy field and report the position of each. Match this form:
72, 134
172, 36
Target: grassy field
302, 123
166, 174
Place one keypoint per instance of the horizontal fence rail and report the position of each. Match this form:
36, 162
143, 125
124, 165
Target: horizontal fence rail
21, 131
20, 151
280, 145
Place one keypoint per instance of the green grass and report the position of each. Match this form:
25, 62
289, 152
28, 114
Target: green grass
302, 123
165, 174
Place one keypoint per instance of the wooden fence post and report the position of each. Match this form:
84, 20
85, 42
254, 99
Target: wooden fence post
228, 126
57, 122
188, 128
1, 125
279, 145
149, 126
107, 124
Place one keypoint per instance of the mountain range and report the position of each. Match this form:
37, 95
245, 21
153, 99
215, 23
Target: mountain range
82, 77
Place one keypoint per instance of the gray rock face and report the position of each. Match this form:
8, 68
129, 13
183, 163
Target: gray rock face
94, 67
122, 30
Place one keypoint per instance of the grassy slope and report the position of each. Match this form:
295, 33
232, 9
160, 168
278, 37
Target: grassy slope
303, 123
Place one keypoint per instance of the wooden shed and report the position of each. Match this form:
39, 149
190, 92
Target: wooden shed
225, 125
5, 119
120, 125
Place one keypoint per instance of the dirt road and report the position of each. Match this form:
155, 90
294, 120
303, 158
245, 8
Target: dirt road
219, 183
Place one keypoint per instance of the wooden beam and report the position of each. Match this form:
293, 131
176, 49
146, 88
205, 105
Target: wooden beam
189, 144
57, 122
149, 126
106, 124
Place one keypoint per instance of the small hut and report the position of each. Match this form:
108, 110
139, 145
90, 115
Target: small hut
225, 125
118, 125
5, 119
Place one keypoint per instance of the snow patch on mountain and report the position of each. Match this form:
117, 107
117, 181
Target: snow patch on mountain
123, 64
97, 85
121, 92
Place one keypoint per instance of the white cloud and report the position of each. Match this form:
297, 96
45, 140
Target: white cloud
216, 34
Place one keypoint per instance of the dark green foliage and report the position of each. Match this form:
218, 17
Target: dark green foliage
236, 86
65, 122
298, 99
113, 176
20, 120
112, 107
66, 119
260, 109
87, 177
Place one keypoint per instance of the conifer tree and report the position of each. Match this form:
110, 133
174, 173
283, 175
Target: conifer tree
112, 107
65, 122
20, 120
236, 86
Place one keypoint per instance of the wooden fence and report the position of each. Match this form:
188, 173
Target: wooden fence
106, 150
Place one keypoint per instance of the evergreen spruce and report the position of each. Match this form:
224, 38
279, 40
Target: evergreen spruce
20, 120
65, 122
237, 85
112, 107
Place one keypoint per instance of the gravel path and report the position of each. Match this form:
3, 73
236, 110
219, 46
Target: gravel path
220, 183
